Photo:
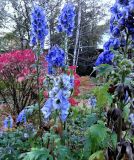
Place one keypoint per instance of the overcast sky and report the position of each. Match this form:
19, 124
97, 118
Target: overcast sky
105, 36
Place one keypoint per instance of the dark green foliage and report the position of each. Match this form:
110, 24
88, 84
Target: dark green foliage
98, 137
37, 154
12, 143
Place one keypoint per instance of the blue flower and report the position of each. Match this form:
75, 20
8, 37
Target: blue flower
116, 32
47, 108
66, 20
122, 2
68, 81
92, 101
131, 118
114, 9
105, 57
64, 109
39, 28
131, 5
55, 58
59, 102
8, 122
112, 43
59, 96
21, 117
122, 22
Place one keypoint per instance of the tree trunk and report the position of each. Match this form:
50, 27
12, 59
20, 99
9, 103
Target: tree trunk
77, 34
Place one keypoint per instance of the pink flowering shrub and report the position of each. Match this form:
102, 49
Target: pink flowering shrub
17, 80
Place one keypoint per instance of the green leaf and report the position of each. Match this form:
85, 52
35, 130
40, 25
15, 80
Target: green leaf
114, 140
91, 119
126, 111
102, 95
103, 69
75, 112
62, 153
96, 137
37, 154
99, 155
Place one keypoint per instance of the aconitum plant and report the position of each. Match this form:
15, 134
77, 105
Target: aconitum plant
8, 122
122, 31
59, 96
21, 117
117, 53
55, 58
66, 19
39, 29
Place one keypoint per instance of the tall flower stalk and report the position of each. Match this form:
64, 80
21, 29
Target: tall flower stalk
39, 31
66, 23
116, 53
61, 85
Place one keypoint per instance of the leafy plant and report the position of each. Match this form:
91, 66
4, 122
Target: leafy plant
98, 137
37, 154
102, 95
12, 143
97, 156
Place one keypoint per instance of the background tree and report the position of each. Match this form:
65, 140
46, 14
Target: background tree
88, 32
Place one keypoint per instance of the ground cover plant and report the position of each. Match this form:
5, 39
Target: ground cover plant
45, 115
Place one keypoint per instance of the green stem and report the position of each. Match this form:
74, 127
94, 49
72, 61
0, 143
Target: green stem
38, 86
119, 129
66, 49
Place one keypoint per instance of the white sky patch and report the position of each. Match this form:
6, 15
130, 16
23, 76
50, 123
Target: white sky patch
10, 25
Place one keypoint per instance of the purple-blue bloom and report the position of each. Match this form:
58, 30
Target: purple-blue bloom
122, 2
8, 122
59, 96
66, 20
47, 108
59, 102
114, 9
105, 57
122, 22
65, 105
21, 117
121, 28
39, 29
131, 118
92, 101
112, 43
55, 58
116, 32
131, 5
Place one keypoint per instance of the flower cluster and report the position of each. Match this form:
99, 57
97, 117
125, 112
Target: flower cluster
66, 19
55, 58
59, 96
21, 117
39, 28
121, 28
122, 19
92, 101
105, 57
8, 122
